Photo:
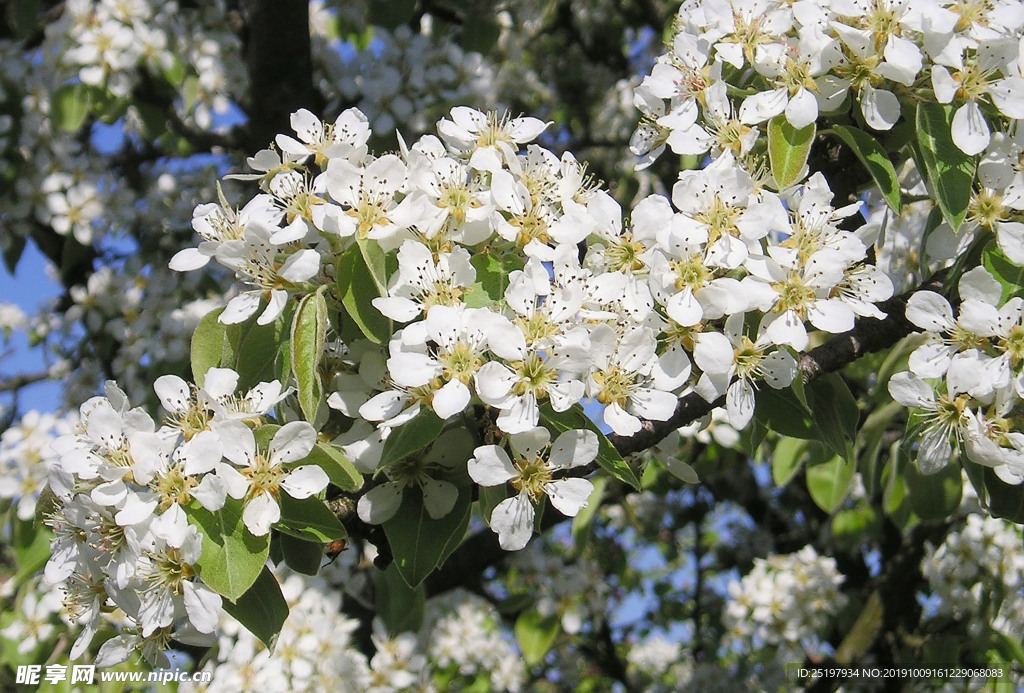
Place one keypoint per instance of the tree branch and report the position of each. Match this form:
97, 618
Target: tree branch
280, 63
16, 382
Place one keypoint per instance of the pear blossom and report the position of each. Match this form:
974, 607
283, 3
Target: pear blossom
627, 379
531, 475
255, 259
428, 472
728, 355
491, 141
263, 474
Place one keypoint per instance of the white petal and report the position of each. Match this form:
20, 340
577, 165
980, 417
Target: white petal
763, 105
1010, 237
292, 442
970, 131
174, 393
439, 497
739, 403
491, 466
384, 406
911, 391
802, 109
569, 496
260, 513
379, 504
240, 308
512, 519
529, 443
573, 448
202, 606
881, 108
451, 399
930, 311
620, 421
305, 481
831, 315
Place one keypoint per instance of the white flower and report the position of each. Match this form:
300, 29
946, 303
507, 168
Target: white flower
531, 476
264, 474
490, 140
723, 356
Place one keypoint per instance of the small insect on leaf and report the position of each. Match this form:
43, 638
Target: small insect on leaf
334, 548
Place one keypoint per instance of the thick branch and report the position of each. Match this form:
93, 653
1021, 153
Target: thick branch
280, 66
17, 382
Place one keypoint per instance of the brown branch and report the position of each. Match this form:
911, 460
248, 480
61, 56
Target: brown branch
280, 64
16, 382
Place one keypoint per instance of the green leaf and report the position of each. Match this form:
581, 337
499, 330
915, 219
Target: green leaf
1004, 500
607, 456
207, 345
583, 523
420, 543
828, 477
259, 353
787, 458
950, 172
399, 606
933, 496
782, 412
894, 494
339, 470
411, 437
301, 555
232, 556
358, 286
1009, 275
851, 528
489, 497
309, 332
835, 414
70, 105
875, 160
376, 263
261, 609
479, 32
492, 272
12, 250
535, 634
309, 519
31, 544
788, 149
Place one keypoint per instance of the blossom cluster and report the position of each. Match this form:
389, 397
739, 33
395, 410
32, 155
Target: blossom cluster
315, 650
122, 534
808, 59
975, 568
784, 602
966, 379
404, 76
726, 275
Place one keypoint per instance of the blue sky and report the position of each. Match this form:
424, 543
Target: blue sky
31, 288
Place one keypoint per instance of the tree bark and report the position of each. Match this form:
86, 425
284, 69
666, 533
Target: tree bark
280, 65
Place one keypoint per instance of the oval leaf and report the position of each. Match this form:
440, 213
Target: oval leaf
875, 160
420, 543
950, 172
788, 149
309, 332
232, 556
262, 609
